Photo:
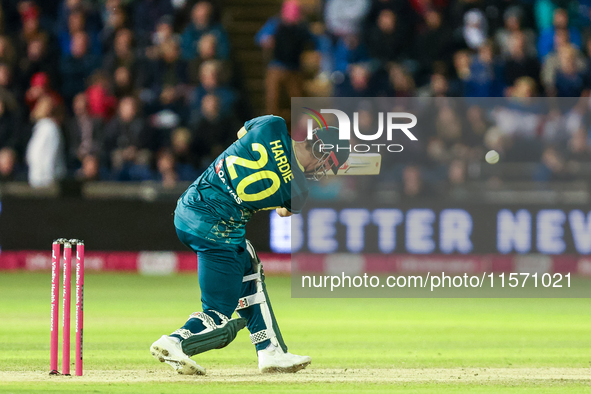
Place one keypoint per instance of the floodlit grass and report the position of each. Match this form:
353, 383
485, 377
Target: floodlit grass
391, 339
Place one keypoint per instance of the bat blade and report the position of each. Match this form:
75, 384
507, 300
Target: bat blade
361, 164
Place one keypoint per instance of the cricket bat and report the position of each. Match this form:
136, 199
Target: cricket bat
361, 164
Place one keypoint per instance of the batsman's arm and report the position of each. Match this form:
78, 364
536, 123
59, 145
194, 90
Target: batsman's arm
283, 212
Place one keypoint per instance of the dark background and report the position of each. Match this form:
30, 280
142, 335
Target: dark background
118, 225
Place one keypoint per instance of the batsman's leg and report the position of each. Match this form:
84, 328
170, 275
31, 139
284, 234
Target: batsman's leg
220, 279
255, 306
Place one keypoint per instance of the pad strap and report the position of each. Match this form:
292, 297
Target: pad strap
248, 278
207, 320
262, 335
245, 302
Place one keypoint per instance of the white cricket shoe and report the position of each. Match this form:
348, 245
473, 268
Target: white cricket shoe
272, 359
168, 350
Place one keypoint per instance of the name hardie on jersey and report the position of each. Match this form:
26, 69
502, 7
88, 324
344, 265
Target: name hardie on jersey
281, 160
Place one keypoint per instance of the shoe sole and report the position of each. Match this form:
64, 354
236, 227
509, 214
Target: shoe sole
182, 367
290, 369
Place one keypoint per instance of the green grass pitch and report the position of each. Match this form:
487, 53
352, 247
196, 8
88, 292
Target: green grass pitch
356, 345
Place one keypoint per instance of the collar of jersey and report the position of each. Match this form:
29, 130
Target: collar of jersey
295, 156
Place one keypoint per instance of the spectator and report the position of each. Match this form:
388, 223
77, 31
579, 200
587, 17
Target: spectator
212, 133
456, 173
438, 86
518, 125
108, 8
166, 166
202, 22
9, 123
400, 8
170, 172
39, 60
77, 66
8, 87
433, 43
166, 115
207, 51
524, 87
462, 62
164, 33
476, 127
450, 132
570, 80
560, 23
93, 20
345, 17
45, 150
180, 145
579, 148
421, 8
90, 169
475, 30
356, 83
552, 168
8, 164
77, 24
124, 82
31, 28
40, 86
519, 63
551, 63
207, 47
413, 186
85, 133
402, 83
101, 103
587, 56
211, 82
385, 40
486, 75
287, 39
127, 139
7, 52
147, 15
116, 20
503, 37
122, 53
349, 50
170, 69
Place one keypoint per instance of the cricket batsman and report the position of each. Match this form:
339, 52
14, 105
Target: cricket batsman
264, 169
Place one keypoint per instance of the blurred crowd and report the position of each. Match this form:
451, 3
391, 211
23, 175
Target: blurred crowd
442, 49
114, 90
133, 90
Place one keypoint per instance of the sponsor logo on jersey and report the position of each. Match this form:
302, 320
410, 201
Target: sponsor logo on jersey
222, 175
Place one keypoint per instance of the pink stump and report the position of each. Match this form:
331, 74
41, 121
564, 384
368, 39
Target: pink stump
55, 284
66, 308
79, 305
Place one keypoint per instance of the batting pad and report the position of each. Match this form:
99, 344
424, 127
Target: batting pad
215, 339
261, 297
